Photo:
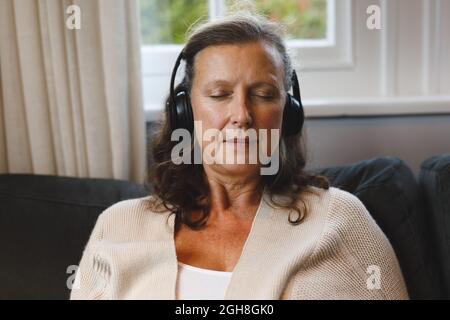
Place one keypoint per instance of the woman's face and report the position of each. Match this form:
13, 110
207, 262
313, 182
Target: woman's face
238, 89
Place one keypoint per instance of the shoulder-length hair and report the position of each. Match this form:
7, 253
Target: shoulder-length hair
181, 188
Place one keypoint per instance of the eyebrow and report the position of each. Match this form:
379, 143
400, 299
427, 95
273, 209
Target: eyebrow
263, 83
216, 82
256, 84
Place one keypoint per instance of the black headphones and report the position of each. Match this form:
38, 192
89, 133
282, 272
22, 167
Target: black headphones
181, 116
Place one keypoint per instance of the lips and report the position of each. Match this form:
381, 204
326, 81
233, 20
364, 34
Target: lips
245, 140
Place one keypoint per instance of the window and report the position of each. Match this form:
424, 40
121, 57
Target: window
399, 61
313, 35
166, 22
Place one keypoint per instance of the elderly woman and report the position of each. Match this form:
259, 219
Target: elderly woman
215, 230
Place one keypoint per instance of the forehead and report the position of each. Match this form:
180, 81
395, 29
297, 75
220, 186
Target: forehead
256, 60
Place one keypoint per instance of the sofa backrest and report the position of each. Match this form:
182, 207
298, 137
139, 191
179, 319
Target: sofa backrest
389, 190
434, 181
45, 222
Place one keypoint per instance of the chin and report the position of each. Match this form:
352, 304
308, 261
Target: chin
240, 169
235, 160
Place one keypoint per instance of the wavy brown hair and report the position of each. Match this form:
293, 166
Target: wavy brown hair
182, 188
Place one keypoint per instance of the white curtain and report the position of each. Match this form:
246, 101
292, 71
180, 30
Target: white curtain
71, 100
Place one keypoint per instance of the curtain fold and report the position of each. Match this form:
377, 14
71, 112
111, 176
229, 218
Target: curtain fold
71, 100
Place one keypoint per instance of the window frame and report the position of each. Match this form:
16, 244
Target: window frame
335, 51
360, 71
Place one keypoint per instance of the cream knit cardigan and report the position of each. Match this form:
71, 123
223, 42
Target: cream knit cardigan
337, 252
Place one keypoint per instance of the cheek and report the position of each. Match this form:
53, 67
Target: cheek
209, 117
269, 118
206, 118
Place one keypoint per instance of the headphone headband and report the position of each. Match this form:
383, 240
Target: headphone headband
295, 86
174, 73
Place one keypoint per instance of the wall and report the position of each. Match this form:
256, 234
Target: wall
337, 141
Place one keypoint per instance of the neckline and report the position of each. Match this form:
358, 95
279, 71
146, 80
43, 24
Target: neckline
202, 270
259, 212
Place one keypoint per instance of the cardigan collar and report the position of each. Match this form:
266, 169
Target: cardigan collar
265, 263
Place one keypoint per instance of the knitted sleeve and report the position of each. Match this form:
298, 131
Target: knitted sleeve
354, 259
88, 280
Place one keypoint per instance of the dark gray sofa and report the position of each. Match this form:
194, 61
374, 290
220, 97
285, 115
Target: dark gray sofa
45, 222
435, 186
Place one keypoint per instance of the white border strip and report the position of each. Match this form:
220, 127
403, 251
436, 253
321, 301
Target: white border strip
378, 106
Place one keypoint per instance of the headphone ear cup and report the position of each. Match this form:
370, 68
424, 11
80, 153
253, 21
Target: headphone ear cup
293, 116
181, 116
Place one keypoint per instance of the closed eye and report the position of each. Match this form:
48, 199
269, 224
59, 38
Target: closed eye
221, 96
261, 96
265, 97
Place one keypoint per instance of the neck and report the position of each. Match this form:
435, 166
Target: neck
234, 197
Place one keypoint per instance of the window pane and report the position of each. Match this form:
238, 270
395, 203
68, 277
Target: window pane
166, 22
305, 19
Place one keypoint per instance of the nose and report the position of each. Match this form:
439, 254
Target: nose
240, 114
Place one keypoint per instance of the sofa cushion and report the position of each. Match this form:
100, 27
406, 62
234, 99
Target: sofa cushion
435, 184
45, 222
389, 190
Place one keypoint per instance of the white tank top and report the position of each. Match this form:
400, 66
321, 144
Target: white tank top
201, 284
